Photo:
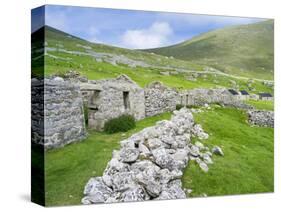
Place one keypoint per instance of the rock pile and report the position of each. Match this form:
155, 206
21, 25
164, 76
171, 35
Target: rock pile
261, 118
149, 164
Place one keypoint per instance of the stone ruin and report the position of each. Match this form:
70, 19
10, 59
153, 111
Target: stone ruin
150, 163
57, 113
202, 96
110, 98
159, 99
261, 118
63, 102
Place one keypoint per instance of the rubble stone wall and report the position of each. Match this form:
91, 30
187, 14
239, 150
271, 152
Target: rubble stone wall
160, 99
261, 118
150, 163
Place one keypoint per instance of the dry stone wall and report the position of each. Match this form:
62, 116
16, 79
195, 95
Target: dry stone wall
203, 96
261, 118
150, 164
58, 119
160, 99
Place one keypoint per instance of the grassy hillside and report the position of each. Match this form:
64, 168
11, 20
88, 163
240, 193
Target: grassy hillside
64, 52
246, 50
247, 166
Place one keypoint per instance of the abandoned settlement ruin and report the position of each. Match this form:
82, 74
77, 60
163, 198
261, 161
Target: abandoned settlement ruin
58, 105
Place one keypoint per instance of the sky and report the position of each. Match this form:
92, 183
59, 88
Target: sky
131, 29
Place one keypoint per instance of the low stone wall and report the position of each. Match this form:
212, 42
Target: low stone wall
160, 99
150, 163
201, 96
58, 117
261, 118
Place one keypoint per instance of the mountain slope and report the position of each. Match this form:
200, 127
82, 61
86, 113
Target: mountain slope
61, 52
246, 50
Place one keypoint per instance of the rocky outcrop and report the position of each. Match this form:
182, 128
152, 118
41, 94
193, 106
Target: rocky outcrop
150, 164
261, 118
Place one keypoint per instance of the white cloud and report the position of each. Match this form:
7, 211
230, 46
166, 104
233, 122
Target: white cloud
155, 36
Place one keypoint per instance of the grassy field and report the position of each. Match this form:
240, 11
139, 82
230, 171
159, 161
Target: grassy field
261, 104
247, 166
68, 169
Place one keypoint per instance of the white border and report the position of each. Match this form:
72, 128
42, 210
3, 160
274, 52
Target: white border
15, 103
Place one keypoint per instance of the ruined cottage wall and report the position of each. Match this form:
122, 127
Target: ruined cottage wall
160, 99
61, 117
37, 111
203, 96
110, 101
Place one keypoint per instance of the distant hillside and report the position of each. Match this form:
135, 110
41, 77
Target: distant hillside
246, 50
61, 52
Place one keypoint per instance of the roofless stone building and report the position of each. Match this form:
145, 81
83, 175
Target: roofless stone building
110, 98
59, 106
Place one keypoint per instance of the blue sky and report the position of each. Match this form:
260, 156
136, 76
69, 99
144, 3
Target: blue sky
131, 28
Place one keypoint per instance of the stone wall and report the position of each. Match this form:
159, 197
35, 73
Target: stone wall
110, 98
160, 99
150, 164
261, 118
201, 96
58, 118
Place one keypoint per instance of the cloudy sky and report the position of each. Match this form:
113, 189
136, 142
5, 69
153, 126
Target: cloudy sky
130, 28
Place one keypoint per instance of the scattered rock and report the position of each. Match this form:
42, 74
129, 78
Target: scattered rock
218, 151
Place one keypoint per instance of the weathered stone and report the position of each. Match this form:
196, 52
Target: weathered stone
218, 151
136, 193
202, 165
199, 145
198, 131
163, 159
96, 191
261, 118
122, 181
129, 154
57, 113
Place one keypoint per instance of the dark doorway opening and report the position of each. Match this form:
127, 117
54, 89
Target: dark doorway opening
126, 100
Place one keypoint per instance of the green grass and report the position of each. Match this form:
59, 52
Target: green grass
248, 164
261, 104
68, 169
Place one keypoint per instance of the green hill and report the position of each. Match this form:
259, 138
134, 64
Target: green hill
61, 52
246, 50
